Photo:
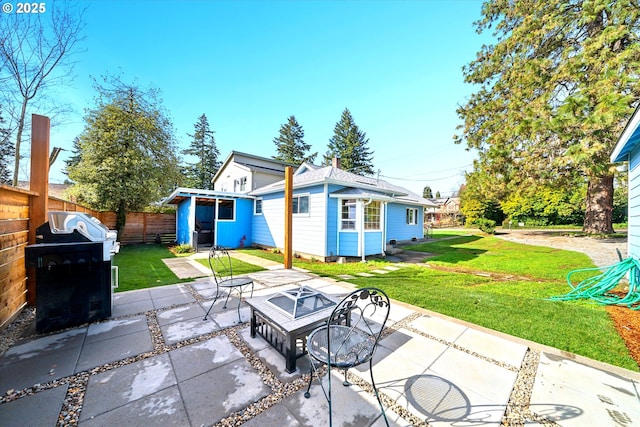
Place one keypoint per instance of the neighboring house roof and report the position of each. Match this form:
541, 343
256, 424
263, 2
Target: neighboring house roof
629, 139
309, 175
202, 196
250, 162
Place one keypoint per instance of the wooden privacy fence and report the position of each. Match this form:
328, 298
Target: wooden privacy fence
15, 224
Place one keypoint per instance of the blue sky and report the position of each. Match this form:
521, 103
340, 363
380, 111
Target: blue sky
249, 65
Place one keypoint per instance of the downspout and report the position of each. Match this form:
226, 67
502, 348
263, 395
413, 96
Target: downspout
192, 221
362, 234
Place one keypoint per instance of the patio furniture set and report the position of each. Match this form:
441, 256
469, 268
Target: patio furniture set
338, 333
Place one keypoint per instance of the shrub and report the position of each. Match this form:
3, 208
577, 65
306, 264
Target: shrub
182, 249
486, 225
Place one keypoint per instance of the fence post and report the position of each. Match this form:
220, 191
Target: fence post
39, 182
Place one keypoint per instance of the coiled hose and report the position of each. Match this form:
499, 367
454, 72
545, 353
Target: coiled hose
599, 288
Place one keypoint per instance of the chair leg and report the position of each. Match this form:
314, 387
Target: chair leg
375, 390
211, 306
346, 382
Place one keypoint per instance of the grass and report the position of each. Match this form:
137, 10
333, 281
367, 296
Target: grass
515, 303
238, 267
141, 266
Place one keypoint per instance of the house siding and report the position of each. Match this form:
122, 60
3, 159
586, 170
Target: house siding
308, 232
236, 233
633, 232
397, 227
348, 243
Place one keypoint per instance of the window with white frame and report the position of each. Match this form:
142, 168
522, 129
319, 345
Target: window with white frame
412, 216
257, 207
301, 204
226, 210
348, 214
240, 184
372, 216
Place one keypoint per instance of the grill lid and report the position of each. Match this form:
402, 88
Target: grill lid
300, 302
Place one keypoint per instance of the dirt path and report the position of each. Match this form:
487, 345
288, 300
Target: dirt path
601, 251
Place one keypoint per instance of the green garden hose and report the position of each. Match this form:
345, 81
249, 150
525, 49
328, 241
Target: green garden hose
599, 288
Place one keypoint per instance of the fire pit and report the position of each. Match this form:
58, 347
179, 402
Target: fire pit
286, 318
300, 302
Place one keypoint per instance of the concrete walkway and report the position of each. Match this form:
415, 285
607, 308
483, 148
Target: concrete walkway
157, 362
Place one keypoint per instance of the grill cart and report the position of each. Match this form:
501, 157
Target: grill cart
72, 258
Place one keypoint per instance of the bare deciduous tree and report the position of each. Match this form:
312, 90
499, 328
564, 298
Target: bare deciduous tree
35, 53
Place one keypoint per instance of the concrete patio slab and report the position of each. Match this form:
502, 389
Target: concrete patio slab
187, 329
429, 369
21, 412
114, 349
196, 359
492, 346
41, 360
213, 395
574, 394
162, 408
121, 386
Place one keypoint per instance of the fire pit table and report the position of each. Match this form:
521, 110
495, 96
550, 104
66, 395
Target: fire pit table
285, 319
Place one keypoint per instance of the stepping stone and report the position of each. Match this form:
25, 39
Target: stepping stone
366, 274
380, 271
346, 276
391, 268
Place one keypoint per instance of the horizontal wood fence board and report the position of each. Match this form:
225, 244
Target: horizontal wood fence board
15, 212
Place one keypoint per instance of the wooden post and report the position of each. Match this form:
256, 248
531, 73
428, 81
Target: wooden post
288, 216
39, 182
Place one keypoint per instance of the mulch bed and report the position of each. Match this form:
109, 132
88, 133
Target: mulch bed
627, 324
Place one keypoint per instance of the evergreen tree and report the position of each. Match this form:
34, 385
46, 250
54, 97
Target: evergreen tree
290, 144
350, 145
427, 193
554, 93
6, 154
127, 151
203, 147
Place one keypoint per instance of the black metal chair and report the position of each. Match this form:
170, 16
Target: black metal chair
349, 338
220, 263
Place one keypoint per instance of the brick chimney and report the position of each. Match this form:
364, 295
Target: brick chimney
335, 162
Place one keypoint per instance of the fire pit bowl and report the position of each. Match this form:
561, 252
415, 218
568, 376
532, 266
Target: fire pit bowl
300, 302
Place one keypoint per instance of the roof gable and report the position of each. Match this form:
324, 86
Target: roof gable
315, 175
629, 139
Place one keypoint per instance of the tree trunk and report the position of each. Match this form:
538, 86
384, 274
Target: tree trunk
121, 218
598, 215
16, 165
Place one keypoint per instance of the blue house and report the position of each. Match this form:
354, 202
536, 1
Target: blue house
628, 149
335, 214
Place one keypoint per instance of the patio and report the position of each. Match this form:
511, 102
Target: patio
157, 362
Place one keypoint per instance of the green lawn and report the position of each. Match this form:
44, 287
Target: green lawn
141, 266
515, 304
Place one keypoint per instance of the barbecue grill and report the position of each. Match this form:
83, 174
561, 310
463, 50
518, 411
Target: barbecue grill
74, 276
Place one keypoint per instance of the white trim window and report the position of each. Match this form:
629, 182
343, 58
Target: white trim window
257, 207
412, 216
348, 214
240, 184
372, 216
301, 204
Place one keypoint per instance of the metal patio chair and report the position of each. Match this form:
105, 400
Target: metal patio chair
349, 338
220, 263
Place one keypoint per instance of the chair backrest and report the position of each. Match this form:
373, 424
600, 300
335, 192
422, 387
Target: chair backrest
368, 310
220, 263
